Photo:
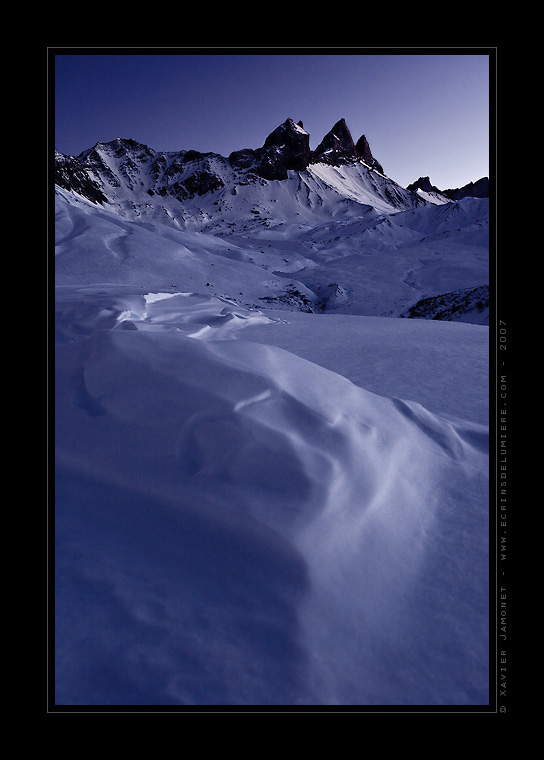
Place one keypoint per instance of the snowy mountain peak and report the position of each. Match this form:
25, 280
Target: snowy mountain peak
118, 145
288, 125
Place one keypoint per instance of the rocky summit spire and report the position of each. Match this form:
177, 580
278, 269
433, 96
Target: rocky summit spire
288, 145
363, 151
336, 146
286, 148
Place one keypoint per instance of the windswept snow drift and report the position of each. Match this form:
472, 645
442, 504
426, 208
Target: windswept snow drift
238, 525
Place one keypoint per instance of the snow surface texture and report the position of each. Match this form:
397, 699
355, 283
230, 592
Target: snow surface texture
261, 506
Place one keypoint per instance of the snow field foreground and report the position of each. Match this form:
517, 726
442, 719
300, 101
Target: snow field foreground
237, 525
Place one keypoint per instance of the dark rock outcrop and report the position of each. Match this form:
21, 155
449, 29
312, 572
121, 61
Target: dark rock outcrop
200, 183
454, 306
336, 147
424, 183
245, 159
292, 143
287, 148
363, 151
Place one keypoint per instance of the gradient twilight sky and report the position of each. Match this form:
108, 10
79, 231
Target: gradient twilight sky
423, 114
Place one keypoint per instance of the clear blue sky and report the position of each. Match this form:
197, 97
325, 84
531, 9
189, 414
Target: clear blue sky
423, 114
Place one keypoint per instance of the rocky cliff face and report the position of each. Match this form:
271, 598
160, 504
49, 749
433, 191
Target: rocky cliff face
336, 147
363, 151
287, 148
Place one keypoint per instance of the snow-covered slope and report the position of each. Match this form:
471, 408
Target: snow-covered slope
354, 263
238, 525
190, 189
433, 197
270, 490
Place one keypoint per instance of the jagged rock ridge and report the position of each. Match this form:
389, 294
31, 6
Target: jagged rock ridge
283, 182
478, 189
287, 148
